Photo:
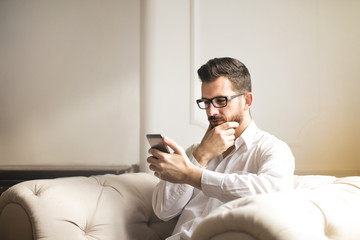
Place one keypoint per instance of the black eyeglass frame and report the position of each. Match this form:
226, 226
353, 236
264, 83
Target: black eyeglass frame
210, 100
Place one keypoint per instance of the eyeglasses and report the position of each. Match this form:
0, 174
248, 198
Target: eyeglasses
218, 102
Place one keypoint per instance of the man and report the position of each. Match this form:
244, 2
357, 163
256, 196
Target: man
235, 159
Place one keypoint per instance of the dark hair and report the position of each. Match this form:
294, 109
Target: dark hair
231, 68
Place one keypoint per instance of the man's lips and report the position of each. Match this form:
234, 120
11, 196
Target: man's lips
215, 121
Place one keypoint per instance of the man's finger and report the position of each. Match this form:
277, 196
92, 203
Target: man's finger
229, 132
152, 160
173, 145
232, 124
156, 154
230, 137
228, 125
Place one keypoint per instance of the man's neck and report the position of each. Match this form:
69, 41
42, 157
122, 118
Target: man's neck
243, 125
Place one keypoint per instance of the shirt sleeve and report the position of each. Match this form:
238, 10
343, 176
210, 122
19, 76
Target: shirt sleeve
169, 199
275, 173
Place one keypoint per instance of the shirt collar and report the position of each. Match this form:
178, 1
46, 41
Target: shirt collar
247, 136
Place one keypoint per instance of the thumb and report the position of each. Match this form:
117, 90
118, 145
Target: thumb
174, 146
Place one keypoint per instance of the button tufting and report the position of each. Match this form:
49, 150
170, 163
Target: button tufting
37, 190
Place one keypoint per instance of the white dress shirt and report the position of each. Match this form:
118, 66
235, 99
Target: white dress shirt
259, 163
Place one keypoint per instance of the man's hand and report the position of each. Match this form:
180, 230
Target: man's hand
216, 141
175, 167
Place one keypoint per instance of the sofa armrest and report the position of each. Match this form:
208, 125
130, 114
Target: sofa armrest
327, 212
102, 207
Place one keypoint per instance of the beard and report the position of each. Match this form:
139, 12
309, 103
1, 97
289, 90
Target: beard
218, 120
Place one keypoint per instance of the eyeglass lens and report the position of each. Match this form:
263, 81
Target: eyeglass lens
216, 102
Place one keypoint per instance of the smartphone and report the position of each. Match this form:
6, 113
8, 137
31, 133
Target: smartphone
156, 141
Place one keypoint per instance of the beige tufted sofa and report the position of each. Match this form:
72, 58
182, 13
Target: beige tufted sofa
106, 207
118, 207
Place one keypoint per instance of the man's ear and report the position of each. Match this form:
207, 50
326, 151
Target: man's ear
248, 100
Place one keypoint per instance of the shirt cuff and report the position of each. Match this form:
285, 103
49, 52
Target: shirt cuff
211, 183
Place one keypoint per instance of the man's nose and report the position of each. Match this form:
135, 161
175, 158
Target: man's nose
212, 111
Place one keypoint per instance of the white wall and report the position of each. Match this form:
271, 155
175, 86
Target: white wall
303, 58
69, 82
75, 90
165, 81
